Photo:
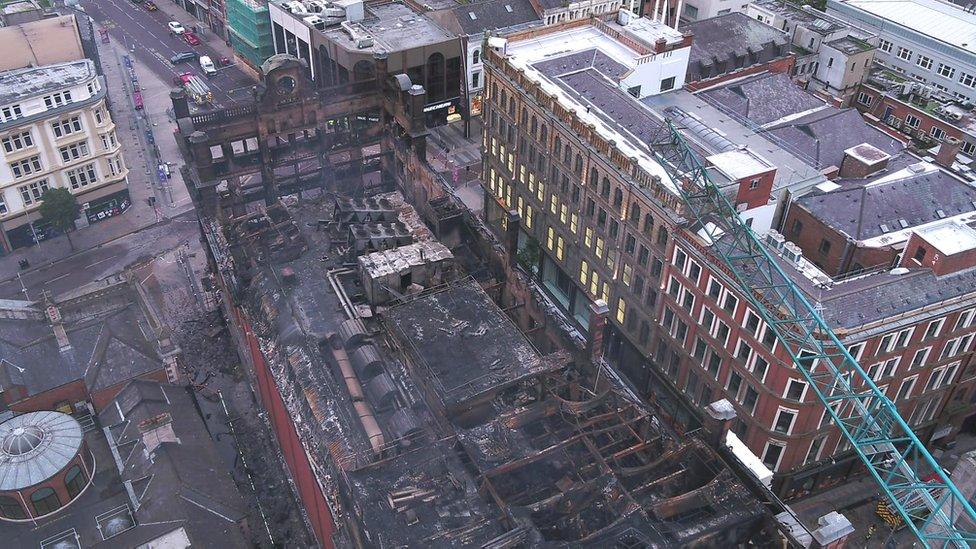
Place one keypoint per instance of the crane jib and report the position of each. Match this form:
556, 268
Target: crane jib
932, 507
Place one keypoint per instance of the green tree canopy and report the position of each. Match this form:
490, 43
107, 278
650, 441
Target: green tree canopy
60, 208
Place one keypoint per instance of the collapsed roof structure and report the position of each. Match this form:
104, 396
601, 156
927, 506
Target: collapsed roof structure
430, 419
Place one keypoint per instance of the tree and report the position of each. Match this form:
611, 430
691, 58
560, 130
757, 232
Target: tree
528, 256
60, 208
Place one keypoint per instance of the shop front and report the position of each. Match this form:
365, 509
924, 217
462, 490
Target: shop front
107, 206
33, 229
443, 112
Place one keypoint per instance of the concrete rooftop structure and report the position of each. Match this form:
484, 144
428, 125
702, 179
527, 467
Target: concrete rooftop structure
34, 81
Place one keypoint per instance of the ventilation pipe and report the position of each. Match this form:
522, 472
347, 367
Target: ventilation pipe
363, 411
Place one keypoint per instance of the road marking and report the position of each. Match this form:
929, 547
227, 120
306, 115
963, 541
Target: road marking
57, 278
101, 261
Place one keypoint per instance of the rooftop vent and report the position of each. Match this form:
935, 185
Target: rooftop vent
792, 252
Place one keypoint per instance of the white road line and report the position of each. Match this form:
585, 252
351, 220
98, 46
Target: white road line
101, 261
57, 278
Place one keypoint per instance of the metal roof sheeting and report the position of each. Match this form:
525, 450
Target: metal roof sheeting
36, 446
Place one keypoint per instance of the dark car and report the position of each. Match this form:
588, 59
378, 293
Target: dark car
183, 57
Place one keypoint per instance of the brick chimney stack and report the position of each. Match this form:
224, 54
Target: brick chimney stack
948, 150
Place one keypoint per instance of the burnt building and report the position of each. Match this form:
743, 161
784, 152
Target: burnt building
294, 136
392, 442
574, 186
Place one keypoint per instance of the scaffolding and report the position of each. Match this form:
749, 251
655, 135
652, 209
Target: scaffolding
250, 30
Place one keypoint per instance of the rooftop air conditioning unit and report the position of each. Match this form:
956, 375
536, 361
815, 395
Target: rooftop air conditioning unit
775, 240
295, 7
792, 252
314, 21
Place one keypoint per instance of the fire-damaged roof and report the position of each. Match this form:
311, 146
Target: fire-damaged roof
469, 348
435, 422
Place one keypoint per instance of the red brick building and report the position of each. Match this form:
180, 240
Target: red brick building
609, 229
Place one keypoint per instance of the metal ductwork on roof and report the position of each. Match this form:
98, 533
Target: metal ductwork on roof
367, 362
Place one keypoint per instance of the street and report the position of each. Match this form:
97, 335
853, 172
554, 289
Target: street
146, 37
101, 261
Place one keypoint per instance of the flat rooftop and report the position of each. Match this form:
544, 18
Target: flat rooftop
800, 14
940, 21
393, 27
19, 84
468, 346
950, 237
739, 164
850, 45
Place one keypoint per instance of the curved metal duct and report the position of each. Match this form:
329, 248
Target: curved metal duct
352, 334
382, 392
403, 424
367, 362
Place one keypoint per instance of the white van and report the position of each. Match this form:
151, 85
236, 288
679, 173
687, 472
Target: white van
207, 65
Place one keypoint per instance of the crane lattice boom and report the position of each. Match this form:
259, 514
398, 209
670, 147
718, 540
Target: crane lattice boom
935, 510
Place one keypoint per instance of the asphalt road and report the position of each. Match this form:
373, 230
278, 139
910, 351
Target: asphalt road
146, 36
152, 242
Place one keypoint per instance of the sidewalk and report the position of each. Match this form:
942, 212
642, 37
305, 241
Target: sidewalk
130, 130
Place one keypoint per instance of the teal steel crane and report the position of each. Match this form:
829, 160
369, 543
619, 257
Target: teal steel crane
918, 489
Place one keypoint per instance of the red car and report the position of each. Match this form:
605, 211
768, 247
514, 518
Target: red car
191, 38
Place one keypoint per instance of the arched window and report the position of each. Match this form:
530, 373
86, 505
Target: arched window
618, 198
327, 68
10, 508
648, 224
605, 189
635, 212
543, 134
45, 501
568, 156
363, 70
525, 118
534, 125
579, 165
594, 177
74, 481
476, 57
557, 145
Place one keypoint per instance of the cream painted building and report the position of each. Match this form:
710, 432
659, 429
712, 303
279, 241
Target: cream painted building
56, 131
43, 42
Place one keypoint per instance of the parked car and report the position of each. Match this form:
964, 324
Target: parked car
191, 39
183, 57
175, 27
207, 65
150, 6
